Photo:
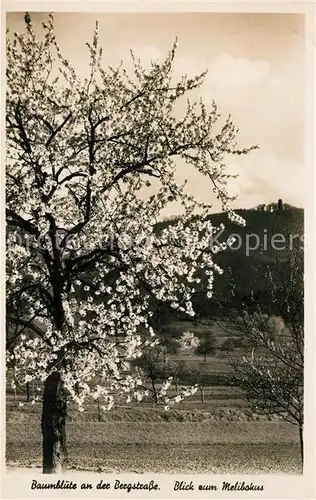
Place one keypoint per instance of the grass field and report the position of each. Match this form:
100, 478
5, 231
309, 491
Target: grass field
141, 440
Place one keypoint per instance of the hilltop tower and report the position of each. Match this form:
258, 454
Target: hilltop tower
280, 204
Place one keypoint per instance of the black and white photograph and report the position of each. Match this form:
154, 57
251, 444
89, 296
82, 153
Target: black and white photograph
155, 231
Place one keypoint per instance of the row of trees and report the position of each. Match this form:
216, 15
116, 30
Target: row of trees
158, 363
158, 366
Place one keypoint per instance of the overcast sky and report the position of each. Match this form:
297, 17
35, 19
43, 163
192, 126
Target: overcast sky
256, 72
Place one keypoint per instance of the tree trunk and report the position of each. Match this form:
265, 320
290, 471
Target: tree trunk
205, 357
177, 382
202, 394
99, 410
28, 392
301, 443
154, 390
14, 388
54, 414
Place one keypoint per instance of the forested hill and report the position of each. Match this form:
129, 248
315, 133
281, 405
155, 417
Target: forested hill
269, 238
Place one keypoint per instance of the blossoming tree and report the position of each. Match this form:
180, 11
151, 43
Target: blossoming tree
272, 371
84, 264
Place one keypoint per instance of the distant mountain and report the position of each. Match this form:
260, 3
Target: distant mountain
272, 231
